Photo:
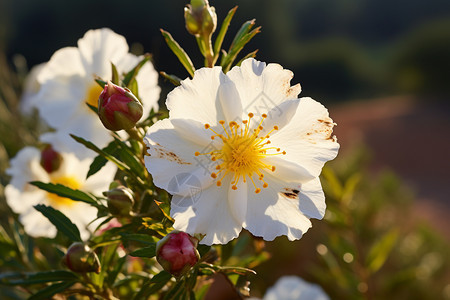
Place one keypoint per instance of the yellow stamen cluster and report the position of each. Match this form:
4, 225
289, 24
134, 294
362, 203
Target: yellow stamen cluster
242, 152
93, 94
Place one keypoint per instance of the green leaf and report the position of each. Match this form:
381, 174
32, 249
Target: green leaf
172, 78
153, 285
131, 75
138, 237
66, 192
99, 162
149, 251
115, 74
380, 250
42, 277
222, 33
93, 108
61, 222
237, 47
51, 290
250, 55
109, 157
243, 31
101, 82
179, 52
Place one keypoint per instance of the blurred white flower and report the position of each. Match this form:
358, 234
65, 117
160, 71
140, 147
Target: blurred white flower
67, 84
295, 288
21, 196
239, 150
30, 89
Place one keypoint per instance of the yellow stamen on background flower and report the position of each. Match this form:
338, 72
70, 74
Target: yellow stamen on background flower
68, 181
92, 94
242, 152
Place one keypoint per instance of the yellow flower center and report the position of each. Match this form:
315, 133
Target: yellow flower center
242, 152
93, 94
68, 181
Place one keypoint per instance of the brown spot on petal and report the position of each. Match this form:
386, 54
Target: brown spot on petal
168, 155
290, 193
321, 129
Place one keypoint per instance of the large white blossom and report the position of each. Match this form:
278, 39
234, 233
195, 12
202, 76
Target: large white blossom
67, 84
22, 196
240, 150
295, 288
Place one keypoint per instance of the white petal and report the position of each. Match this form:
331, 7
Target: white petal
59, 98
209, 214
308, 139
196, 98
25, 167
312, 199
36, 224
295, 288
287, 170
230, 101
149, 90
237, 201
20, 201
262, 87
98, 48
271, 214
171, 156
64, 63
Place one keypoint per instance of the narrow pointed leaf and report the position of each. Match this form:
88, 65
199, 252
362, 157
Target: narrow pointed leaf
149, 251
172, 78
222, 32
66, 192
49, 291
131, 75
179, 52
61, 222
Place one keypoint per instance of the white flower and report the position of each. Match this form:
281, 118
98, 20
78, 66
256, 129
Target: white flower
67, 84
30, 89
21, 196
295, 288
239, 150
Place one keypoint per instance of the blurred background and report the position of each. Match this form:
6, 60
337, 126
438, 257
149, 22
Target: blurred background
381, 67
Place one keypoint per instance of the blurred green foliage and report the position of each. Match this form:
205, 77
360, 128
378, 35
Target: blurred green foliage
370, 244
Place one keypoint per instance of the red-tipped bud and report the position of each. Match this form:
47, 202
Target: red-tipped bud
80, 258
118, 108
177, 252
50, 159
120, 201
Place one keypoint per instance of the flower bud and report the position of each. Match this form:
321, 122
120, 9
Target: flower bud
120, 201
201, 19
118, 108
50, 159
80, 258
177, 252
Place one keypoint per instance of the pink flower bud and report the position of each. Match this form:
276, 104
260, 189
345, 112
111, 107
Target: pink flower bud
80, 258
50, 159
118, 108
177, 252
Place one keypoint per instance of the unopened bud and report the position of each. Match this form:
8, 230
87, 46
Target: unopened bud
118, 108
120, 201
80, 258
177, 252
201, 19
50, 159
